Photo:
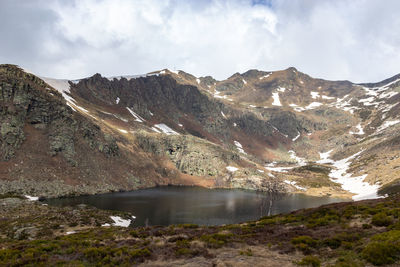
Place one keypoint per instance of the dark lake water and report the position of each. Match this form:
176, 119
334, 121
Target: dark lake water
176, 205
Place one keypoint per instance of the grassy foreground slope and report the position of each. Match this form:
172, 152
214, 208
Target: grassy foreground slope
364, 233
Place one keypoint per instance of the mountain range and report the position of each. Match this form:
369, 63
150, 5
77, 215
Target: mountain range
274, 131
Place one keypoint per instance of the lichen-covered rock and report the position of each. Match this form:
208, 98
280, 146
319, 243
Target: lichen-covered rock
26, 99
191, 155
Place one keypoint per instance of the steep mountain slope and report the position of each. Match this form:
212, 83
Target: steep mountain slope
50, 149
278, 131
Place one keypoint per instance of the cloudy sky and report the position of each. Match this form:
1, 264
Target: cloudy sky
358, 40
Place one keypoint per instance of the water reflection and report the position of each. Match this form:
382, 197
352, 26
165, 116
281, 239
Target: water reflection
175, 205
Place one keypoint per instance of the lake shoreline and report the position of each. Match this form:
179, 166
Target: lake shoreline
181, 203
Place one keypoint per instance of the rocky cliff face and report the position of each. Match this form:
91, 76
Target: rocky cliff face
47, 148
26, 101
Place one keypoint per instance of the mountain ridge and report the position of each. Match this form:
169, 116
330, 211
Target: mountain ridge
277, 124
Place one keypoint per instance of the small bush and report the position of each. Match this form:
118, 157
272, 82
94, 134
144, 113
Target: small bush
139, 253
304, 239
380, 253
333, 243
304, 243
384, 248
310, 261
216, 240
381, 219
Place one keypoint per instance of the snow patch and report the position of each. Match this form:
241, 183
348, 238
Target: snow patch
239, 147
297, 136
387, 124
300, 161
165, 129
276, 102
355, 185
217, 95
63, 87
198, 80
265, 76
293, 183
360, 130
324, 157
297, 108
30, 198
136, 116
70, 232
123, 131
118, 221
315, 95
244, 81
281, 89
223, 115
156, 130
271, 167
327, 97
369, 101
344, 105
388, 94
313, 105
117, 100
231, 168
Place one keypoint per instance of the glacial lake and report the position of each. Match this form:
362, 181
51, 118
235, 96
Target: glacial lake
182, 204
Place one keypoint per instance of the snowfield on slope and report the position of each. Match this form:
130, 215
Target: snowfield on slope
276, 102
355, 185
161, 127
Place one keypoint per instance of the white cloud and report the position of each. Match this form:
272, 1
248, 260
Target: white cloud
344, 39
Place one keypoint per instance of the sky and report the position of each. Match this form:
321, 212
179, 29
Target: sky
357, 40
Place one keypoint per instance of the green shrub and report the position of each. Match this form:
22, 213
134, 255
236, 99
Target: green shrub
304, 239
333, 243
381, 219
384, 248
380, 253
268, 221
216, 240
310, 261
348, 259
138, 253
323, 217
8, 255
348, 237
304, 243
